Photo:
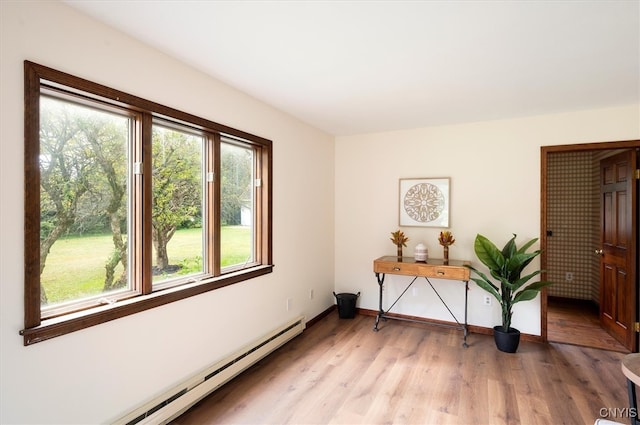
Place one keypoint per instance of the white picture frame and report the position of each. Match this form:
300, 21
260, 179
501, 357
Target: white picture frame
424, 202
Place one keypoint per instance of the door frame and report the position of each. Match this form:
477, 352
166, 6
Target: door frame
544, 156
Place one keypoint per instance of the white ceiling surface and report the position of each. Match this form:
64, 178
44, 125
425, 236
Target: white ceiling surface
352, 67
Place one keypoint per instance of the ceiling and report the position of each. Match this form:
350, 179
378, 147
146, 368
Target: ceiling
351, 67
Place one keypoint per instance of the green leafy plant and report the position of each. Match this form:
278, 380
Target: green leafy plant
506, 267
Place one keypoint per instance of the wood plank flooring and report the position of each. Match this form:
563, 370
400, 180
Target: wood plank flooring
341, 372
578, 323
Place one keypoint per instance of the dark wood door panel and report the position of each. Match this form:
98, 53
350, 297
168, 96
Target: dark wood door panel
618, 292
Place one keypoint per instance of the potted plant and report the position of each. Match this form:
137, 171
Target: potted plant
509, 287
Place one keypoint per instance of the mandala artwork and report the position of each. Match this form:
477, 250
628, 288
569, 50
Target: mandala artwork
424, 202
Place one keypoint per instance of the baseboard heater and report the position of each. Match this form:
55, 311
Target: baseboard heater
172, 403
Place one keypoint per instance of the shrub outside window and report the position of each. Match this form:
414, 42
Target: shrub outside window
130, 204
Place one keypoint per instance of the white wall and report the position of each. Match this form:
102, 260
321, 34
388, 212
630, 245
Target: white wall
98, 374
495, 190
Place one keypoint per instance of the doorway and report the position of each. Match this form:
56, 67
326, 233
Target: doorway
570, 235
577, 322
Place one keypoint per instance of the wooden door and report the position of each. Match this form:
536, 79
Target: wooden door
618, 251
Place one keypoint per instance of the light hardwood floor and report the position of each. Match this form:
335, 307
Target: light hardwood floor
341, 372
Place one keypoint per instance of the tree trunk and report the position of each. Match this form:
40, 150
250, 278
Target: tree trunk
119, 255
118, 189
160, 244
161, 238
45, 247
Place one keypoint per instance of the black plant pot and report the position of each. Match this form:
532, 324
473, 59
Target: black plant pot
506, 342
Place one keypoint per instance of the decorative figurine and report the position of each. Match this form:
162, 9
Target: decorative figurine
446, 239
399, 240
420, 253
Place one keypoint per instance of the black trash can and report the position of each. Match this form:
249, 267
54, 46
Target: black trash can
346, 304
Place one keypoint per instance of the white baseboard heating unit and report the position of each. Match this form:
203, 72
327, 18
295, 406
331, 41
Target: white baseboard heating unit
172, 403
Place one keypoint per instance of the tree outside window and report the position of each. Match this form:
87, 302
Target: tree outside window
126, 198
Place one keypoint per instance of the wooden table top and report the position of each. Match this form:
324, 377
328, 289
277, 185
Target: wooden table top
631, 367
434, 268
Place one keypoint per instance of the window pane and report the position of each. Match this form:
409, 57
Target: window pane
83, 202
99, 204
236, 205
177, 225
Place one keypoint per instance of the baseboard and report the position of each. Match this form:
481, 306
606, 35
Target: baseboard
320, 316
168, 405
434, 322
591, 304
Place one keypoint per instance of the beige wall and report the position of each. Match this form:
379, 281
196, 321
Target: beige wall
97, 374
495, 190
333, 216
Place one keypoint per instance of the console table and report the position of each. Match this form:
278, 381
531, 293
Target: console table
432, 268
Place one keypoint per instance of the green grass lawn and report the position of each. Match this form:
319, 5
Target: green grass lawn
75, 266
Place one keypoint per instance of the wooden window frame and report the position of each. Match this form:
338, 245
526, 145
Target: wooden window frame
37, 329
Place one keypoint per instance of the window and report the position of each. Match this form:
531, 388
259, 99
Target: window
179, 200
130, 204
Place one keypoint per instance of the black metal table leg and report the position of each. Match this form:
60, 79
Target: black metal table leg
466, 326
380, 278
396, 266
633, 404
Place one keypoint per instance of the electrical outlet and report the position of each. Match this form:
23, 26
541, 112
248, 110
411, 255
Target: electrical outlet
568, 276
289, 302
311, 294
487, 300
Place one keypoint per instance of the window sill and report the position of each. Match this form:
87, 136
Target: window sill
58, 326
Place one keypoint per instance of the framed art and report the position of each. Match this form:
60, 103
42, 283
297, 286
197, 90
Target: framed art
424, 202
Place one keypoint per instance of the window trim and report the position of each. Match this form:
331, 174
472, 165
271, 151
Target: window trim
37, 329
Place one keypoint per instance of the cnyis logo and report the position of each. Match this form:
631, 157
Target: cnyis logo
618, 412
